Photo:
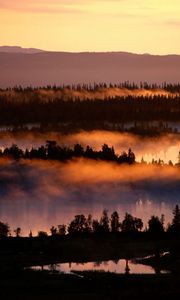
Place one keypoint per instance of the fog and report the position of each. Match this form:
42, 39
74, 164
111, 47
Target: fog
38, 194
83, 93
101, 93
165, 147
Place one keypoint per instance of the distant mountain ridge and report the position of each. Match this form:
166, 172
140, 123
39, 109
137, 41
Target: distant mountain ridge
18, 49
43, 68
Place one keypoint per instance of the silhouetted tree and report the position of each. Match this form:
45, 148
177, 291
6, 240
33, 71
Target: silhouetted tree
115, 222
104, 222
175, 226
4, 229
78, 150
176, 218
138, 224
89, 223
62, 229
17, 231
42, 234
131, 224
13, 151
108, 153
53, 230
131, 157
78, 225
96, 226
156, 225
30, 234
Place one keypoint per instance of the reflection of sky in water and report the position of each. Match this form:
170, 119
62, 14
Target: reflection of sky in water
37, 195
118, 267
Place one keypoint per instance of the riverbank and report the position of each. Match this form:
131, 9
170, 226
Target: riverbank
17, 255
23, 252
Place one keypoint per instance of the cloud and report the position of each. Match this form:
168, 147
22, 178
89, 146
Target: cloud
175, 23
101, 7
43, 6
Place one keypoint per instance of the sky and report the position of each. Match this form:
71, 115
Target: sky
138, 26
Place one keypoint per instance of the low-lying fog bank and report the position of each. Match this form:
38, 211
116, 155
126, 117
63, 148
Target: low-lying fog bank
38, 194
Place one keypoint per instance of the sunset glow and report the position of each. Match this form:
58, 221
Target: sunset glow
98, 25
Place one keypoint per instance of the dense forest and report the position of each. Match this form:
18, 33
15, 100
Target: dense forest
64, 105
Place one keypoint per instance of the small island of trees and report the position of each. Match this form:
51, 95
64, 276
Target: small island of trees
52, 151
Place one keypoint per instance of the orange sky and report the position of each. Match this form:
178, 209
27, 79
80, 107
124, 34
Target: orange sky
139, 26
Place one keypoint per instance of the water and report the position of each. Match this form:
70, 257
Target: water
121, 266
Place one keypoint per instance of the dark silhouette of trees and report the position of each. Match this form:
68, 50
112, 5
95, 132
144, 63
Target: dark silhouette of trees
108, 153
176, 218
115, 225
78, 225
17, 231
53, 230
32, 108
78, 150
62, 229
89, 223
42, 234
13, 151
131, 157
4, 229
53, 151
156, 225
131, 224
104, 222
96, 226
175, 225
105, 225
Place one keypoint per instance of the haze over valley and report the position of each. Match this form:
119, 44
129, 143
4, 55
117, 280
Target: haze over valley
37, 68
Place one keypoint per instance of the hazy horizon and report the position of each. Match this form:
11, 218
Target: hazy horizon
21, 48
132, 26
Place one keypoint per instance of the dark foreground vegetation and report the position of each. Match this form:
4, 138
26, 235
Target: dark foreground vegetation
19, 253
91, 285
92, 240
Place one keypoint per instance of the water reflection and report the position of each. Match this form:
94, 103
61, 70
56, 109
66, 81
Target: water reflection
122, 266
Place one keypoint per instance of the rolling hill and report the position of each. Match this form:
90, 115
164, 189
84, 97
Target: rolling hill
35, 67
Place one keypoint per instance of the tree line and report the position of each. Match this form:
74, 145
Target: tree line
170, 87
53, 151
87, 225
28, 106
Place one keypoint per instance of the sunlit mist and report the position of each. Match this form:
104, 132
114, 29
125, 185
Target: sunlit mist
38, 194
